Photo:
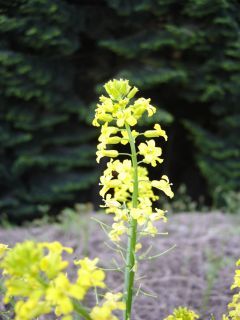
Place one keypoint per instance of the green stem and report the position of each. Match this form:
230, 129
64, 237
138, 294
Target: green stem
81, 310
132, 234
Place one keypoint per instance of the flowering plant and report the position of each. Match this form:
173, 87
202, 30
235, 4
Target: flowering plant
35, 273
127, 189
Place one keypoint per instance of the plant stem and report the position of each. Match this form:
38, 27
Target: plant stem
81, 310
132, 234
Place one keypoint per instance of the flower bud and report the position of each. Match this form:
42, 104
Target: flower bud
105, 117
110, 153
151, 134
113, 140
132, 92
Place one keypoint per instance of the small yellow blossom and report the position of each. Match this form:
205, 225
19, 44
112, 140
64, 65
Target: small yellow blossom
150, 229
182, 313
139, 215
110, 304
138, 247
106, 153
150, 152
140, 106
117, 89
59, 295
30, 309
163, 185
125, 138
158, 132
158, 214
118, 229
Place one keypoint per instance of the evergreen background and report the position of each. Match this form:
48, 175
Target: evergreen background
56, 54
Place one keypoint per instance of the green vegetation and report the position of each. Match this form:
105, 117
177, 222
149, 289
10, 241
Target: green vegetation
45, 154
53, 61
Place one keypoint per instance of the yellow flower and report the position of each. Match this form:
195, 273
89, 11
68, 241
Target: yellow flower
107, 182
52, 263
125, 116
141, 105
163, 185
125, 139
23, 259
139, 215
111, 202
150, 152
182, 313
150, 229
118, 113
33, 274
138, 247
106, 153
59, 295
158, 132
118, 229
158, 214
110, 304
117, 89
31, 309
89, 275
234, 305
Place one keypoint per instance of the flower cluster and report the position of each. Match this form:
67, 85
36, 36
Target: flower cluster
110, 304
182, 313
35, 275
117, 114
234, 305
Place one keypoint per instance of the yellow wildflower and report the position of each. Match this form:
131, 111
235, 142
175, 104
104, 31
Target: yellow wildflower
52, 263
138, 247
118, 229
158, 214
158, 132
234, 305
89, 275
125, 116
125, 138
59, 295
31, 309
139, 215
182, 313
117, 113
110, 304
163, 185
117, 89
150, 152
150, 229
141, 105
106, 153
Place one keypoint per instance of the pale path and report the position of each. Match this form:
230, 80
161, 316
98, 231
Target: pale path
197, 273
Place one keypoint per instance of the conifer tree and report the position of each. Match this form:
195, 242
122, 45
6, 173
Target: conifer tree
45, 155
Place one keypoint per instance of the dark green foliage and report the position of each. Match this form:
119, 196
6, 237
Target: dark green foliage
45, 155
55, 53
186, 54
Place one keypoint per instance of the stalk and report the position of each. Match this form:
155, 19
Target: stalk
132, 234
81, 310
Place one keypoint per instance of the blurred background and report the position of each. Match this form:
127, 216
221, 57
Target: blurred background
55, 55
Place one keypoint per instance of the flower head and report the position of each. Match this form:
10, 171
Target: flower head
182, 313
117, 113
